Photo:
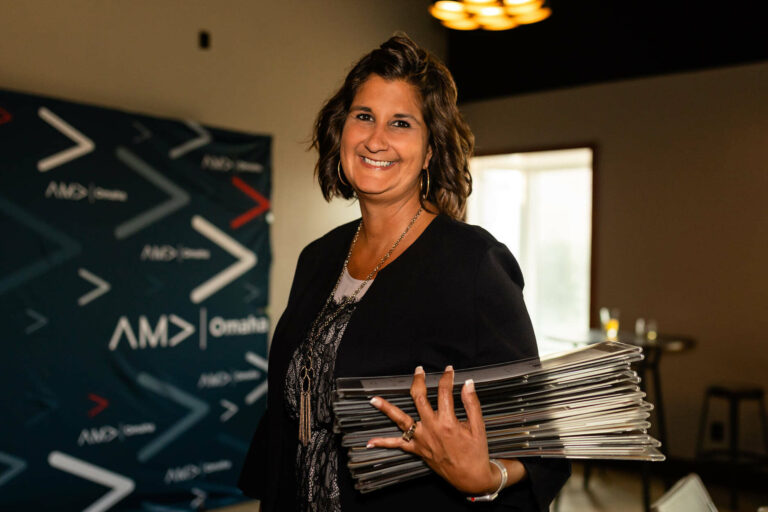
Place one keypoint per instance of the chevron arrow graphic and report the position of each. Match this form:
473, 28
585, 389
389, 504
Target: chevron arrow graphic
203, 138
16, 466
246, 260
231, 409
102, 287
144, 133
198, 410
101, 404
262, 203
179, 197
121, 485
40, 321
83, 145
187, 330
200, 496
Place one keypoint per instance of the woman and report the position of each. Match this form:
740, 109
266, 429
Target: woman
407, 286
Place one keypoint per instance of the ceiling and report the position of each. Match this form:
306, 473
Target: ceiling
591, 41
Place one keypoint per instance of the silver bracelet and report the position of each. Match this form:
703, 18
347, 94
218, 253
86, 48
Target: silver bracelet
495, 494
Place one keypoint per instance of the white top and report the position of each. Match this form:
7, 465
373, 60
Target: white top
348, 285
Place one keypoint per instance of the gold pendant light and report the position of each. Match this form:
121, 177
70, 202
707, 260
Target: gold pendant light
489, 14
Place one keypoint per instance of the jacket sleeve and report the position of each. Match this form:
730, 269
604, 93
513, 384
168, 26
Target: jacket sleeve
504, 333
253, 476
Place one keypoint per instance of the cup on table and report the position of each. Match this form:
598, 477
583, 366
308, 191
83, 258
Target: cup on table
610, 320
651, 330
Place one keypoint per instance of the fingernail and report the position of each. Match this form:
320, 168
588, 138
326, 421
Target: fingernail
375, 401
449, 368
470, 385
419, 370
369, 445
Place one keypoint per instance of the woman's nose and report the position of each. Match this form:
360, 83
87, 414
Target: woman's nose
377, 139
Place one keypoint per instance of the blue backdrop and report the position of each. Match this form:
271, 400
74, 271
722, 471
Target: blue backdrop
133, 291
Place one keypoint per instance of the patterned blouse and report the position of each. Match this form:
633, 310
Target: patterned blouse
317, 466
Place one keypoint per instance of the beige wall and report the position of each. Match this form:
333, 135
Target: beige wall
682, 198
270, 67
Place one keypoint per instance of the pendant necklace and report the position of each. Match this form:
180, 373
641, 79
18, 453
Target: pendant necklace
320, 324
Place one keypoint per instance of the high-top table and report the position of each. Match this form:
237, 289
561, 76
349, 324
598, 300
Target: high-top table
648, 370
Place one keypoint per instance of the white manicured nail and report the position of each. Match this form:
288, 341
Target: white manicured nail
375, 401
470, 385
419, 370
369, 445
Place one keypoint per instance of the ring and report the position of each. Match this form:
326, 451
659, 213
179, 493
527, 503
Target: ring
408, 434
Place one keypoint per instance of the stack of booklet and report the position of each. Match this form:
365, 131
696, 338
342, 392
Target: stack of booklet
583, 404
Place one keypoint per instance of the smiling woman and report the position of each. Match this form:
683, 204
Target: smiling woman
408, 286
426, 95
384, 141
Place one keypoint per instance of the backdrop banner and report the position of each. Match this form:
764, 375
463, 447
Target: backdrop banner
134, 264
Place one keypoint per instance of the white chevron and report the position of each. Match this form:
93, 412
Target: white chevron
187, 329
121, 485
83, 144
231, 409
246, 260
102, 287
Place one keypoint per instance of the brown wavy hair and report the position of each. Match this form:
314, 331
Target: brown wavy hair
449, 136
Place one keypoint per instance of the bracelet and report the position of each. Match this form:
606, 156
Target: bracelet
495, 494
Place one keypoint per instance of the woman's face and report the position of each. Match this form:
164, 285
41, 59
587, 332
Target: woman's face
384, 141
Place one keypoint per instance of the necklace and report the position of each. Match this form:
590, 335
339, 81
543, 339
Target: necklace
323, 320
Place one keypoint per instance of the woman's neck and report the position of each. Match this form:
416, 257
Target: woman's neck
384, 223
382, 226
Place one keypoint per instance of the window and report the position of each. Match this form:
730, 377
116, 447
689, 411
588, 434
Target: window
540, 205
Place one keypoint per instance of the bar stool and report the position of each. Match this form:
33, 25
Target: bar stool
734, 395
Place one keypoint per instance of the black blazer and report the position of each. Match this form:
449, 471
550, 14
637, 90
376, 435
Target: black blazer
453, 297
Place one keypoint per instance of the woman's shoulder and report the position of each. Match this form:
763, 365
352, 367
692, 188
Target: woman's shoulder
468, 236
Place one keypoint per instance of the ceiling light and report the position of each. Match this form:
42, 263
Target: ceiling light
514, 7
534, 17
489, 14
446, 10
465, 24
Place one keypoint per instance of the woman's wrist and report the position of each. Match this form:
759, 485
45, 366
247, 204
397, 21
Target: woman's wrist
500, 475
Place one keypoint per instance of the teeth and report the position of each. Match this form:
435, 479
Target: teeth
377, 163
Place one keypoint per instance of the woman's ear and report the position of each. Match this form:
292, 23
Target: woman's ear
427, 158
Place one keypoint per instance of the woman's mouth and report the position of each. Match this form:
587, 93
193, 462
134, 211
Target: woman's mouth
378, 164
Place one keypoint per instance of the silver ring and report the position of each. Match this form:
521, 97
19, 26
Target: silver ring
408, 434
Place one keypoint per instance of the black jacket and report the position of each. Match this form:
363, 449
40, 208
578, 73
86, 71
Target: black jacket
453, 297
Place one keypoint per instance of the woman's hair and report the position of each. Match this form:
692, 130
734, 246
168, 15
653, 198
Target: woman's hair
449, 136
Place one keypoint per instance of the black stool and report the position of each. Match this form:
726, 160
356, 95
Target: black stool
734, 395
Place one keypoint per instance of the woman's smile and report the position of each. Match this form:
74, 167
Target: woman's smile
377, 164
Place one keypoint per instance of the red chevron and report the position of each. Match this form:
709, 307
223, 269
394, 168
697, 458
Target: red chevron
102, 404
262, 204
5, 116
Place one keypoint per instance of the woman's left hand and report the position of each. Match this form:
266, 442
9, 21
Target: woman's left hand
456, 450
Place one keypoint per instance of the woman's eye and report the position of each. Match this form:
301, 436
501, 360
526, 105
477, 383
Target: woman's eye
364, 117
402, 124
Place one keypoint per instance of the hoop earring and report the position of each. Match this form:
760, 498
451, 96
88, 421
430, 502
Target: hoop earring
338, 171
425, 194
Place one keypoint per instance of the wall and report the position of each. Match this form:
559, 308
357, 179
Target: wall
269, 69
681, 192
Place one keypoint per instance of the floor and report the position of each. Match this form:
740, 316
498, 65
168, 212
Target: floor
610, 490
